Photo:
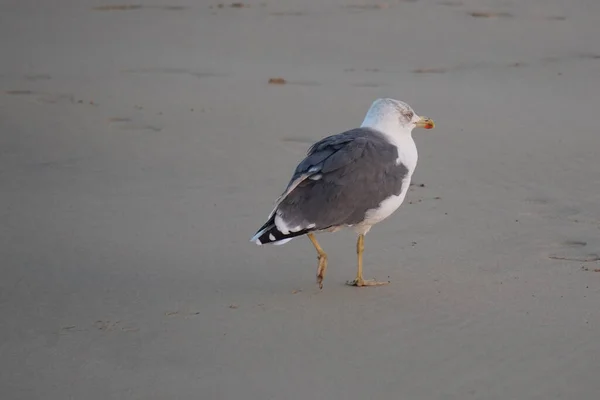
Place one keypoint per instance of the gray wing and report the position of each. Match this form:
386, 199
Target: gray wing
342, 177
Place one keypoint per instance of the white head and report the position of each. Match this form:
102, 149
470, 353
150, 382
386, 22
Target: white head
394, 117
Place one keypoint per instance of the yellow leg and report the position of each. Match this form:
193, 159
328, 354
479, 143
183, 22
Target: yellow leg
360, 281
322, 257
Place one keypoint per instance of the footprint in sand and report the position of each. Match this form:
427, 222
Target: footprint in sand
130, 7
183, 314
366, 6
556, 18
574, 243
430, 70
175, 71
537, 200
489, 14
100, 325
43, 98
281, 81
37, 77
288, 13
127, 124
576, 250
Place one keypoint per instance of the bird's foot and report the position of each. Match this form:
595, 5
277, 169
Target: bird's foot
321, 269
360, 282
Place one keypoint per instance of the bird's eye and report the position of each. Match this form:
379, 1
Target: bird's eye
408, 115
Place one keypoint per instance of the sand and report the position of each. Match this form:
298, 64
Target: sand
142, 146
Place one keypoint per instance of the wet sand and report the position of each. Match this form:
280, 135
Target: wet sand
142, 146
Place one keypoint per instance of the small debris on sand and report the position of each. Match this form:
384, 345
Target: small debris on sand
429, 70
277, 81
115, 7
491, 14
368, 6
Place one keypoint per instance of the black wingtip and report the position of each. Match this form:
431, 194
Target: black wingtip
271, 234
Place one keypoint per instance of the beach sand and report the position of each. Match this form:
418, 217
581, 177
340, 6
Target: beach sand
142, 146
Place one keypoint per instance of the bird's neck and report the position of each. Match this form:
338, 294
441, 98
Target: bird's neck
407, 151
397, 135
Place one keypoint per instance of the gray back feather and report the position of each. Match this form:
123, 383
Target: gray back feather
348, 174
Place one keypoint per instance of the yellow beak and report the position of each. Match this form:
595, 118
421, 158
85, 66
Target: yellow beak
426, 123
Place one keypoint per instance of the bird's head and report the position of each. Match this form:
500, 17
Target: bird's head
390, 115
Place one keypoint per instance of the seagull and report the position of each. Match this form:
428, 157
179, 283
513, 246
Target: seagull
351, 180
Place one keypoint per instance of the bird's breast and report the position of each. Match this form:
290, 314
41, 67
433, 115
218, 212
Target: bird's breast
407, 152
388, 205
